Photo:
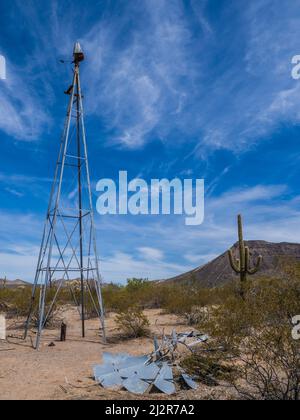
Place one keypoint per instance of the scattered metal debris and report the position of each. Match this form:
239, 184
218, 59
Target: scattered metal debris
189, 381
164, 380
138, 374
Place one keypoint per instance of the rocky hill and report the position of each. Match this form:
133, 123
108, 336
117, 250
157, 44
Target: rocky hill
219, 272
12, 284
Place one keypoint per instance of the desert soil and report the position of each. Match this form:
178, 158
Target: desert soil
65, 370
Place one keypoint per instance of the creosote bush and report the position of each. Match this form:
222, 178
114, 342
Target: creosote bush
15, 303
255, 336
209, 368
133, 322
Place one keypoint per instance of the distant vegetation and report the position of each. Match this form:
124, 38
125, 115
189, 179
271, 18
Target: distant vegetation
15, 303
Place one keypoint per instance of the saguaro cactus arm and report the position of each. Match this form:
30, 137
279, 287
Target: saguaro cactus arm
235, 263
257, 266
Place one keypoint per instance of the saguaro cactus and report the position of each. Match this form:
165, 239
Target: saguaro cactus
3, 283
242, 266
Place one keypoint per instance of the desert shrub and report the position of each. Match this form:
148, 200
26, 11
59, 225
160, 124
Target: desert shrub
145, 294
189, 302
91, 303
196, 315
209, 368
15, 303
137, 285
255, 335
115, 298
52, 309
72, 295
186, 301
270, 366
133, 322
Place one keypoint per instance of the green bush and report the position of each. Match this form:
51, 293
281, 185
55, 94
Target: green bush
15, 303
209, 368
255, 334
133, 323
141, 292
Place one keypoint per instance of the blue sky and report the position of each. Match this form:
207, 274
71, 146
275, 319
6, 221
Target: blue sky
173, 88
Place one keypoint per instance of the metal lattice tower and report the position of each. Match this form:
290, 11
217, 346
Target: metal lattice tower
69, 250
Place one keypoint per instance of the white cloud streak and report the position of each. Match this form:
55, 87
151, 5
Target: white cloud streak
21, 114
151, 253
139, 86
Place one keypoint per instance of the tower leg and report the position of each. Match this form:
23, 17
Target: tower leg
41, 316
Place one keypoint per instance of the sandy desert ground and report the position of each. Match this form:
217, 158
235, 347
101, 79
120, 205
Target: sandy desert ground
64, 371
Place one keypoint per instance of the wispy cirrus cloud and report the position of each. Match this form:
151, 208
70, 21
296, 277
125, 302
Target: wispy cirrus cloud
28, 91
151, 253
253, 93
20, 186
169, 81
144, 82
240, 197
156, 70
22, 115
14, 192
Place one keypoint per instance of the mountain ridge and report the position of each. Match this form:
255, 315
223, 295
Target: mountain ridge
12, 284
219, 272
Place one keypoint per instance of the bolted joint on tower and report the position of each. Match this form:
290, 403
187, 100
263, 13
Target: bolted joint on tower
69, 248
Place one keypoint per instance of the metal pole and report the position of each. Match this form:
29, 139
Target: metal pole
98, 279
80, 201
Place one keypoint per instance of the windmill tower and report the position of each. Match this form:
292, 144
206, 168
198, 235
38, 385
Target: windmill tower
69, 250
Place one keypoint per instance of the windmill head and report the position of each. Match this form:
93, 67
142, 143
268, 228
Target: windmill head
78, 53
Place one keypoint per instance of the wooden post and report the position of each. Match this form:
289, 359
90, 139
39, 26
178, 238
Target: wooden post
63, 332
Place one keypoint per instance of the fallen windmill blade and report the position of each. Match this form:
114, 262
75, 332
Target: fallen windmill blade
138, 374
